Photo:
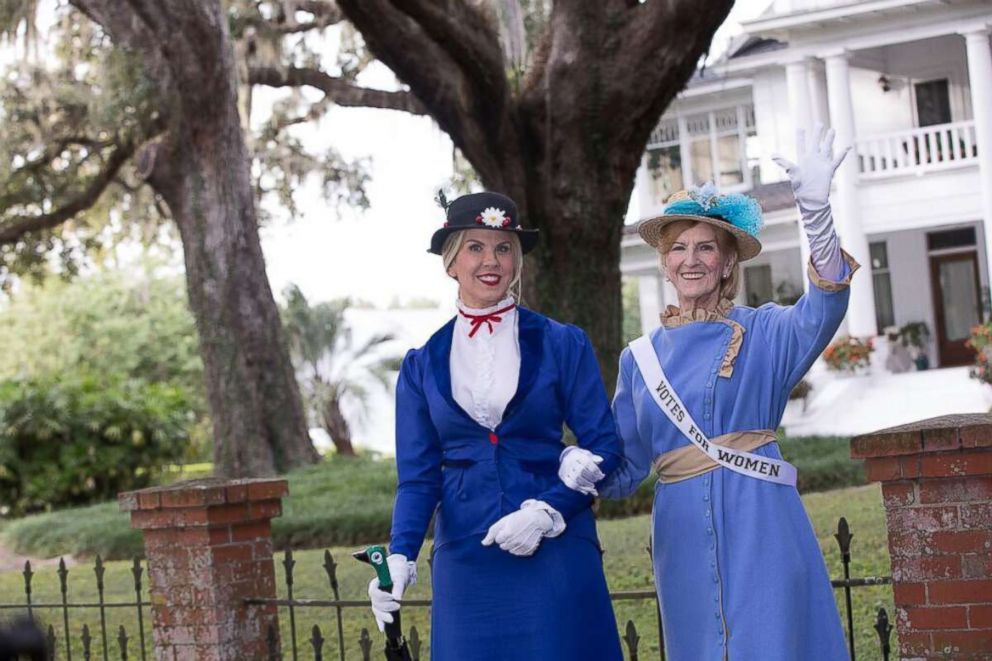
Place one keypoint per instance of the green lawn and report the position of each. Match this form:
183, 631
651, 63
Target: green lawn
627, 568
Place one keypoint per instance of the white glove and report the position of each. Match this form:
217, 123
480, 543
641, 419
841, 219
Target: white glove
810, 177
579, 470
384, 604
521, 532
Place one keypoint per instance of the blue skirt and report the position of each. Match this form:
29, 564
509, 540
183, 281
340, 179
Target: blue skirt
490, 605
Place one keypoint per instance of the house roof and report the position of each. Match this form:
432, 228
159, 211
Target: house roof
752, 45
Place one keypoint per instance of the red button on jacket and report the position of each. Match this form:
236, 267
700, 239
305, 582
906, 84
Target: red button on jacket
493, 438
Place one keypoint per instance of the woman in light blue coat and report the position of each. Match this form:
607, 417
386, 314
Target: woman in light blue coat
737, 566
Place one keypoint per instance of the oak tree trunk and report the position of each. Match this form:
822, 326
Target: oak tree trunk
200, 167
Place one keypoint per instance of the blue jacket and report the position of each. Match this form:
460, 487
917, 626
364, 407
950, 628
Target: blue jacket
471, 476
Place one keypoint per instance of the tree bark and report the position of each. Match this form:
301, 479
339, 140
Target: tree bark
201, 169
565, 145
337, 427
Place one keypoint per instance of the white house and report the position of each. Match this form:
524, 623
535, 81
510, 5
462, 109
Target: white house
909, 84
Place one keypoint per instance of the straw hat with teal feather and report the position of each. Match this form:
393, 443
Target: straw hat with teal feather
738, 214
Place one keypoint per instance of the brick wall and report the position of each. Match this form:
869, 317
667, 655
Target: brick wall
209, 546
936, 480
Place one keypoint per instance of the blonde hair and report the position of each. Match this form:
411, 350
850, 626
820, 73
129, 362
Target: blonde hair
454, 243
730, 285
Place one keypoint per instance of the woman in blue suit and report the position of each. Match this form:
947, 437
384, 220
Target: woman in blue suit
517, 571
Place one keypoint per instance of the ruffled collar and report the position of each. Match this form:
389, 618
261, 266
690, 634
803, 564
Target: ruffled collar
482, 322
673, 316
483, 311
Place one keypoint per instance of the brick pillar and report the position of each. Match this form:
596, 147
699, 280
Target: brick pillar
936, 480
209, 546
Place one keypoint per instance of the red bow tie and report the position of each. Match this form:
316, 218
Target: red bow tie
488, 319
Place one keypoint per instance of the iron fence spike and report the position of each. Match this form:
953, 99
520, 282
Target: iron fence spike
331, 568
844, 537
63, 573
87, 639
365, 643
884, 629
64, 588
631, 638
414, 643
122, 642
50, 651
288, 563
28, 574
317, 641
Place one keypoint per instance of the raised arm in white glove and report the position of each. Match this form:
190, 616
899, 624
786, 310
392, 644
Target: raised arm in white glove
811, 175
384, 604
579, 469
521, 532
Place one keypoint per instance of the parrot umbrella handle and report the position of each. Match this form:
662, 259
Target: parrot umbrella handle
396, 647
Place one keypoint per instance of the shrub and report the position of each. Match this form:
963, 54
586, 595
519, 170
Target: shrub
981, 342
80, 439
849, 353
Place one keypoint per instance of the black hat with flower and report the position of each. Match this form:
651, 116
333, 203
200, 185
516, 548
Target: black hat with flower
486, 211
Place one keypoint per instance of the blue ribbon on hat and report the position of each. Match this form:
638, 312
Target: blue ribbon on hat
738, 209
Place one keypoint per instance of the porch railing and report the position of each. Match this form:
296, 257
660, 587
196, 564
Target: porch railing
916, 151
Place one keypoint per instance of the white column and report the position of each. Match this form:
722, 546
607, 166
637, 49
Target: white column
818, 92
649, 297
797, 81
844, 200
980, 80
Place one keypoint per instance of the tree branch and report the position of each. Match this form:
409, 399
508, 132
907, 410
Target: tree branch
467, 36
325, 14
15, 229
477, 119
337, 90
665, 70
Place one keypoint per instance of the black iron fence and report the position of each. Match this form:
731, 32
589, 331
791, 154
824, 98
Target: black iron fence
70, 636
631, 638
81, 642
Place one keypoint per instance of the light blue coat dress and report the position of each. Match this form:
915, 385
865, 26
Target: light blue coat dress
737, 567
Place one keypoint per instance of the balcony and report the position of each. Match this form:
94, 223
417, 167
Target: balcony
917, 151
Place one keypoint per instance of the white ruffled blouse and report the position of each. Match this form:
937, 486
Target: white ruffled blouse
485, 367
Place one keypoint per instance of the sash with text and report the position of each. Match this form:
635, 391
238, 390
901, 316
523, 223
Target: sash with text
739, 461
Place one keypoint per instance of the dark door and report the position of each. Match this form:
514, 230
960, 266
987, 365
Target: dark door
956, 303
933, 102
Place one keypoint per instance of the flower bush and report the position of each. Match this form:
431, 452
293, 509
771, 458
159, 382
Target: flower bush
849, 353
981, 342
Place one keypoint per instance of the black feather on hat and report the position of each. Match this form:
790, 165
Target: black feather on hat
486, 211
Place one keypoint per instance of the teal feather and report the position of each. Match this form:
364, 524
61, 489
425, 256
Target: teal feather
741, 210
